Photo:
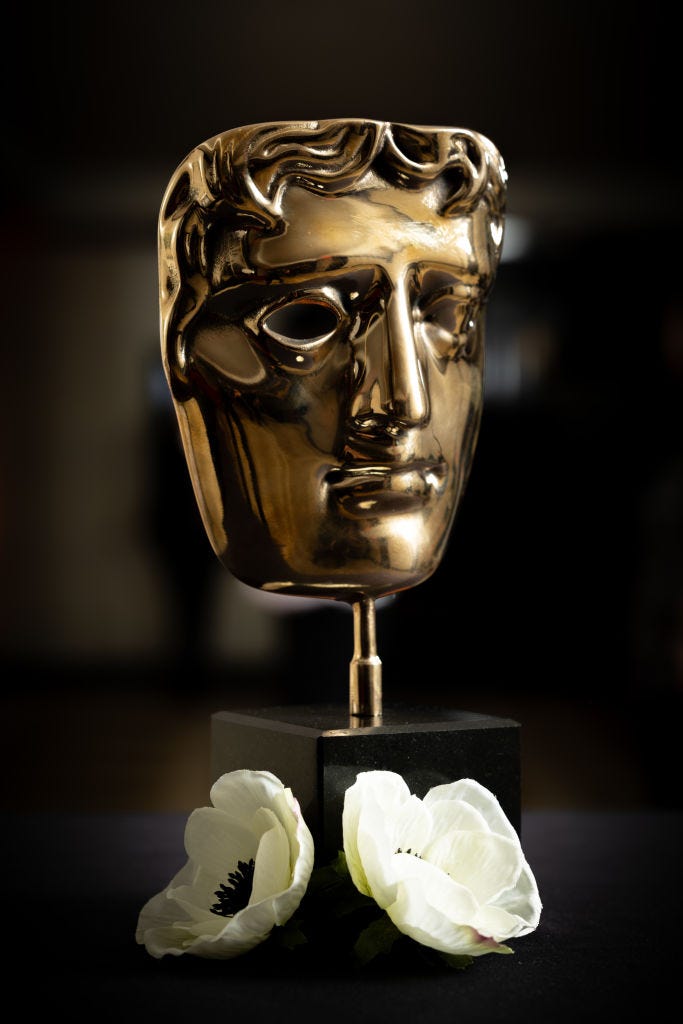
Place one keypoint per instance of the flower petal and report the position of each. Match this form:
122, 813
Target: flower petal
454, 814
497, 924
170, 923
485, 863
282, 905
238, 935
350, 818
435, 911
441, 891
375, 854
216, 841
482, 799
428, 926
298, 832
158, 910
303, 854
165, 939
524, 900
389, 791
272, 873
243, 792
197, 897
412, 825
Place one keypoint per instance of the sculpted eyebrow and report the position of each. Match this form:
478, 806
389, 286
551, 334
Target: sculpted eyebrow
312, 272
303, 269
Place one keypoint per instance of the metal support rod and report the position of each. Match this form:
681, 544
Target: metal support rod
365, 675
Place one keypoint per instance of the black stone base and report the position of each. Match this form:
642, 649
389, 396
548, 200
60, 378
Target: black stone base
313, 750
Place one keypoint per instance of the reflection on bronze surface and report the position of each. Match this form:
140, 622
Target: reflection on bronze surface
322, 291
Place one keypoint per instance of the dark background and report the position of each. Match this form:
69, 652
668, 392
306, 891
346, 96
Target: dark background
559, 602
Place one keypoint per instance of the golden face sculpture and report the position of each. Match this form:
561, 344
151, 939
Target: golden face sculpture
323, 287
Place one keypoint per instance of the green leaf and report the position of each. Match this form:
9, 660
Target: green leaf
334, 873
377, 938
290, 935
339, 864
331, 891
457, 961
324, 880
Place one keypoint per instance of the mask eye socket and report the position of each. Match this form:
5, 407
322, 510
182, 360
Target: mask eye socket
443, 318
447, 309
303, 323
447, 324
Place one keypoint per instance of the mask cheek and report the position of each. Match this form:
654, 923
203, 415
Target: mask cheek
226, 353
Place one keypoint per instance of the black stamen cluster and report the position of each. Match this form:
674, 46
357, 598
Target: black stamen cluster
235, 894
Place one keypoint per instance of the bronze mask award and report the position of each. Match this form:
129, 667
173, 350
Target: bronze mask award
322, 290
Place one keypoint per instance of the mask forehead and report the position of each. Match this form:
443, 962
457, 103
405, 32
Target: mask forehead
374, 225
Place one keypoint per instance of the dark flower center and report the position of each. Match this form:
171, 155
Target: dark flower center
234, 895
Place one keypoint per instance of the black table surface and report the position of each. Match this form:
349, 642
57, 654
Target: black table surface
607, 946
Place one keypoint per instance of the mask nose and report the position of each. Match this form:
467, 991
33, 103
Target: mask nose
390, 383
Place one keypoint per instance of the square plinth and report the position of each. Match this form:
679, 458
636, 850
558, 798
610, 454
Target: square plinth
314, 751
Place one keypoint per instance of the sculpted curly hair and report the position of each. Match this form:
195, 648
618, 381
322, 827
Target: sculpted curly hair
232, 185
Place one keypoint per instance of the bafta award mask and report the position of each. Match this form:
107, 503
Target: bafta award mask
323, 287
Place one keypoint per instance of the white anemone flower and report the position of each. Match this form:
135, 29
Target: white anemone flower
250, 857
449, 870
